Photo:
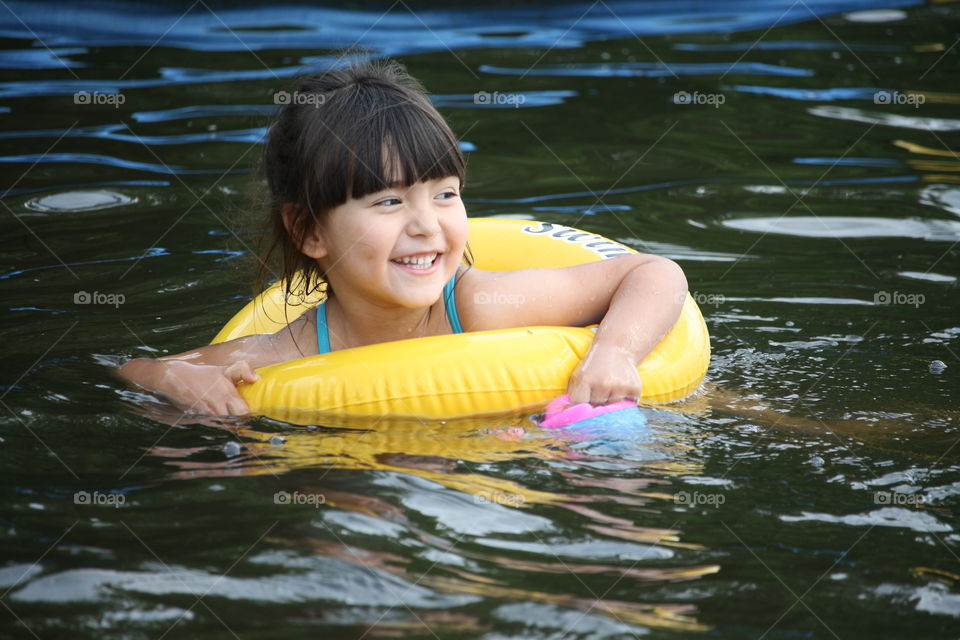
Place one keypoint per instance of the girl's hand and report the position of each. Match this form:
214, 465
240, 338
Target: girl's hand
204, 388
605, 376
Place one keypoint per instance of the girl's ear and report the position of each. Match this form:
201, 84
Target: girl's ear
302, 233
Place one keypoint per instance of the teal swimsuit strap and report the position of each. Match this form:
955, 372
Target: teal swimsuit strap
451, 302
323, 335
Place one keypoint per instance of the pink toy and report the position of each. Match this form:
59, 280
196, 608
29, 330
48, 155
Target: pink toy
558, 416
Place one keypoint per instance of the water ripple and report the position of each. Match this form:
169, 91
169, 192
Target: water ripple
112, 161
850, 227
400, 31
886, 119
650, 69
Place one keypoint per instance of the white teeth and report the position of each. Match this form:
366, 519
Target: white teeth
418, 262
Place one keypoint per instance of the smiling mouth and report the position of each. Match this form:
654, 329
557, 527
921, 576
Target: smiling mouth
420, 261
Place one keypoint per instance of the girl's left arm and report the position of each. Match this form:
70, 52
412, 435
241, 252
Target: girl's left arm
635, 298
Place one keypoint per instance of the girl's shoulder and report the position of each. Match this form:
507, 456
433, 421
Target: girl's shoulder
299, 338
475, 299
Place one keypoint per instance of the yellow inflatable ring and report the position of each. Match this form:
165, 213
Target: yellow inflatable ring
467, 374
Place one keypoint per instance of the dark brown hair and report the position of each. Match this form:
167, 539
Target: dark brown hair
346, 133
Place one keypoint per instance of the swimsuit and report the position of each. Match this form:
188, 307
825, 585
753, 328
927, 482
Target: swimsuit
323, 337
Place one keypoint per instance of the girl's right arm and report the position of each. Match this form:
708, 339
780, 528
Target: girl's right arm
205, 380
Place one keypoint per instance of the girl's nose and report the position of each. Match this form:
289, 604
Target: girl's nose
424, 221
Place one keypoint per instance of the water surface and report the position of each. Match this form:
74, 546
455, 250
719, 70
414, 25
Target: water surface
799, 160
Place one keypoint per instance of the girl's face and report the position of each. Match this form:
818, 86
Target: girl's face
399, 246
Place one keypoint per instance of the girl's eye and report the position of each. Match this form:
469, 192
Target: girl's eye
447, 195
389, 202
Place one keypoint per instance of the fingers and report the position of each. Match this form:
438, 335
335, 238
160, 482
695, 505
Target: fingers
231, 405
229, 402
220, 401
578, 393
241, 372
599, 396
237, 407
208, 389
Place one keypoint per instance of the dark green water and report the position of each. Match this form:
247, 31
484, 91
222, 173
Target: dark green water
807, 187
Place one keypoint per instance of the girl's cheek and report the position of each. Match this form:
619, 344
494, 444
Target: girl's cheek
457, 227
365, 251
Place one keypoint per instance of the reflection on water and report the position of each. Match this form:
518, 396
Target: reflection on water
450, 474
862, 227
797, 159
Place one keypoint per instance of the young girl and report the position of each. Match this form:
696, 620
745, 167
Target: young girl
365, 179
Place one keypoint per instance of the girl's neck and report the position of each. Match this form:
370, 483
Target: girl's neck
350, 327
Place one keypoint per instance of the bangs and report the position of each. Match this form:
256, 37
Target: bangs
398, 146
373, 130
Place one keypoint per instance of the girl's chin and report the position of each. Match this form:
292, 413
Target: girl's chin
419, 292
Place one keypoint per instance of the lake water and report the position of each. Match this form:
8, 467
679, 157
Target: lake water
800, 161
